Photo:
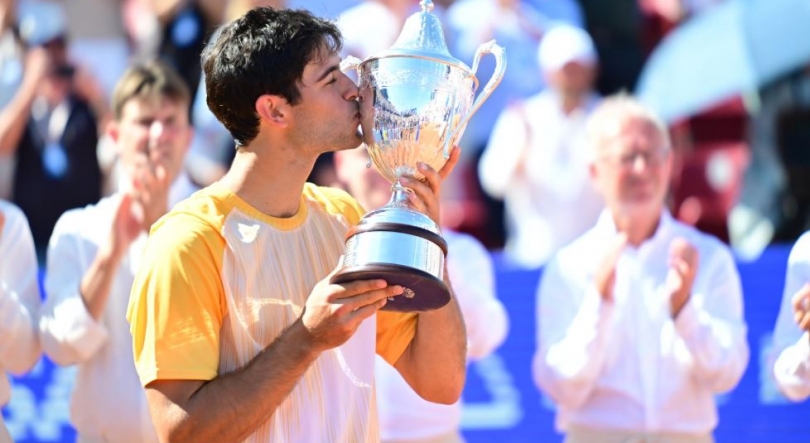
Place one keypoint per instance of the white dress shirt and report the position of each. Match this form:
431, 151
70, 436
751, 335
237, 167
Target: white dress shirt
628, 365
791, 345
403, 414
537, 162
108, 403
19, 297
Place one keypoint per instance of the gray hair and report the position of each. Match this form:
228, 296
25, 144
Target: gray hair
614, 111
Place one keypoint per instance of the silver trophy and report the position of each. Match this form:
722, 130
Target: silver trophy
416, 102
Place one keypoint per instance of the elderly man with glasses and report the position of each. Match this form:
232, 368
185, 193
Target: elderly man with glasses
640, 320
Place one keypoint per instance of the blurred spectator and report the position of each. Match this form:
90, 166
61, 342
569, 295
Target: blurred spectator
790, 361
518, 26
98, 39
50, 125
774, 202
404, 416
185, 26
95, 251
537, 158
662, 16
616, 27
12, 59
19, 301
635, 337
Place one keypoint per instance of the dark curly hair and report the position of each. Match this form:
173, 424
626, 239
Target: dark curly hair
263, 52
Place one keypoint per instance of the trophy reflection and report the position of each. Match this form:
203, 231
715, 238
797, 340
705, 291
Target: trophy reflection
416, 100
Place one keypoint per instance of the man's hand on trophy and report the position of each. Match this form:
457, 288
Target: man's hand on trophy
426, 195
334, 311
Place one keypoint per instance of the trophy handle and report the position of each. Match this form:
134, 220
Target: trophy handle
489, 47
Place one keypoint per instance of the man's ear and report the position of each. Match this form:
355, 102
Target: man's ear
273, 109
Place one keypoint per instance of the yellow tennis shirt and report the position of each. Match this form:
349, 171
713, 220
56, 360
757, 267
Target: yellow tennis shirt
220, 280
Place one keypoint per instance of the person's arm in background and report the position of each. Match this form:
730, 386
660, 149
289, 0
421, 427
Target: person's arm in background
78, 287
501, 161
574, 324
715, 331
473, 277
19, 292
14, 116
790, 358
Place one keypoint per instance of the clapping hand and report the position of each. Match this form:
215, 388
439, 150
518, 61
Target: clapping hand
801, 307
683, 263
606, 274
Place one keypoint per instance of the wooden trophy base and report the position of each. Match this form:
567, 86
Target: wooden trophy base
423, 292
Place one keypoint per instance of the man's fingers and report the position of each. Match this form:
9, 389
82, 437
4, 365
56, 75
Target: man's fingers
681, 266
448, 167
417, 202
432, 178
350, 289
367, 298
367, 311
801, 298
804, 321
616, 248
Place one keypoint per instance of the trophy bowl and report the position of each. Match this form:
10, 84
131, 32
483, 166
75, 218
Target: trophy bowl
415, 101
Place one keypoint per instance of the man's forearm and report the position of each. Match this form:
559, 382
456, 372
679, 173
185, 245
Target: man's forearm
97, 282
232, 406
434, 364
14, 118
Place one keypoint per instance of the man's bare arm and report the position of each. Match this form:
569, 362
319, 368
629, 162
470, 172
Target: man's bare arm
435, 362
232, 406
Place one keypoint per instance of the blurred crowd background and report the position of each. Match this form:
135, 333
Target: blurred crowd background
730, 78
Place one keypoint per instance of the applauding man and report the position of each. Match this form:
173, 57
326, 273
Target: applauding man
791, 365
640, 319
19, 300
95, 251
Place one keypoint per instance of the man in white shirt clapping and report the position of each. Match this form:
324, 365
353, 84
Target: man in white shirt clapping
791, 338
19, 301
537, 156
95, 251
640, 320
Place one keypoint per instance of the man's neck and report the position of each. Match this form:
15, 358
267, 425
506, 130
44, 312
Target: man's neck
638, 228
271, 180
570, 101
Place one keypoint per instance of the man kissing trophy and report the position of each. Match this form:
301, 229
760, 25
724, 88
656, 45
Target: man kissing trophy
416, 100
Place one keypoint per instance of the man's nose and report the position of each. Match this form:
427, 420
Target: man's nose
640, 162
353, 93
157, 130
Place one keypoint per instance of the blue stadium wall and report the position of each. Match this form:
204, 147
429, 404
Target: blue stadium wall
501, 402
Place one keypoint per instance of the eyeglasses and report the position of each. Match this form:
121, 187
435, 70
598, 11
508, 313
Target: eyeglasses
652, 158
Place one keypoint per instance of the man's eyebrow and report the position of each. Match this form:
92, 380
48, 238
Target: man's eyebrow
328, 71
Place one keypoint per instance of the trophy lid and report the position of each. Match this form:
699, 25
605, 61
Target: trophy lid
422, 37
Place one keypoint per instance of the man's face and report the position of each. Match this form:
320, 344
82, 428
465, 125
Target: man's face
152, 132
363, 183
328, 114
573, 78
632, 168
